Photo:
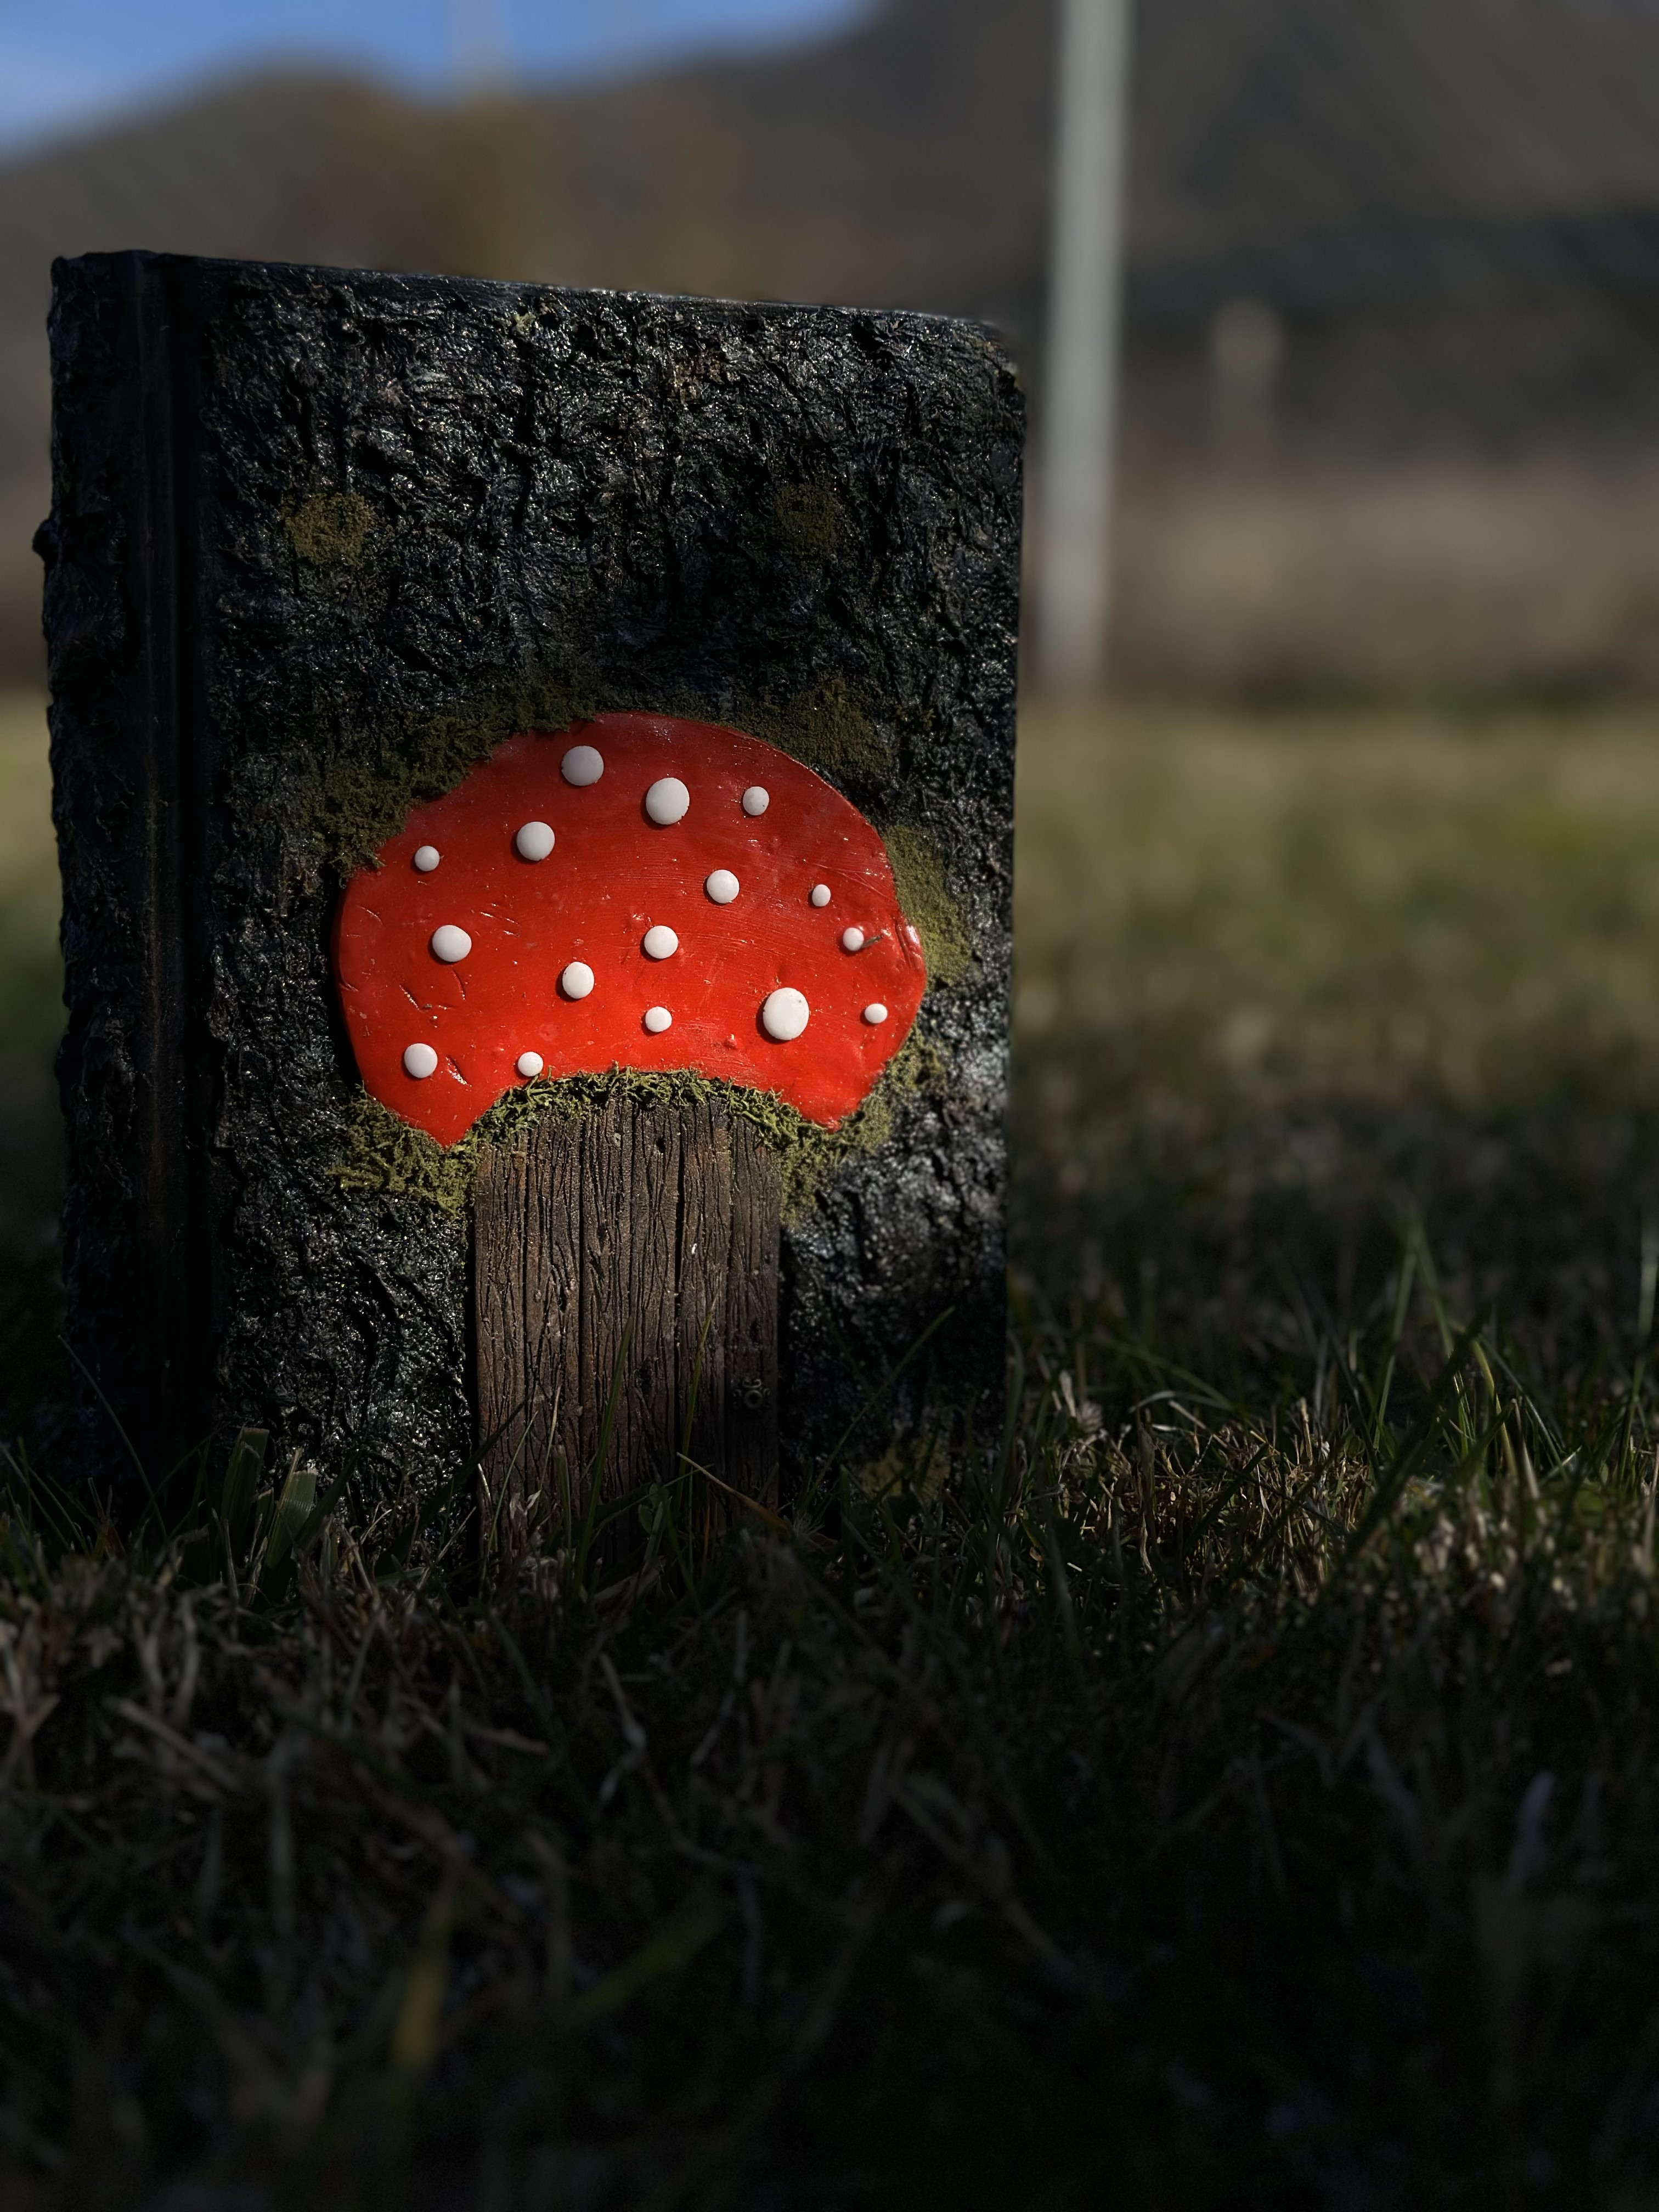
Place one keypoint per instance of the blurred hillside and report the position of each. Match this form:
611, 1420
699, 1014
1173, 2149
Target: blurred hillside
1393, 409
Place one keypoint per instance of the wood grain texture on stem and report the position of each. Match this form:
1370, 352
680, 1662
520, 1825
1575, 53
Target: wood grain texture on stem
625, 1300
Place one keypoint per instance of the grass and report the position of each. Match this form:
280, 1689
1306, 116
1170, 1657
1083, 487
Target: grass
1240, 1785
1289, 983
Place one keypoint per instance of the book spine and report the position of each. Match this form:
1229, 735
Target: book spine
126, 805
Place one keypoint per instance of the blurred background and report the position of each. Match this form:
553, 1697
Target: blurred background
1340, 836
1392, 316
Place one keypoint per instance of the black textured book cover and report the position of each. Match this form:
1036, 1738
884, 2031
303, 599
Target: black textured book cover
319, 539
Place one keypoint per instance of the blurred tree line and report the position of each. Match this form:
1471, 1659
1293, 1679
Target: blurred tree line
1392, 409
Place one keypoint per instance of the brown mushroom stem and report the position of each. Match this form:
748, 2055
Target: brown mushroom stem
625, 1303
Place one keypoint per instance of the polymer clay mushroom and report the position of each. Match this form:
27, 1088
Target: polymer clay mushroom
638, 891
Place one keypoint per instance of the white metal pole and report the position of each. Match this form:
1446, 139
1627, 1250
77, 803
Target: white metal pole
478, 37
1085, 328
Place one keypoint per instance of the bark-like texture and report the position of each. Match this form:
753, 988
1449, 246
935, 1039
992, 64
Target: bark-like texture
317, 537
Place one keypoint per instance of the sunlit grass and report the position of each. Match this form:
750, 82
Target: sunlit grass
1365, 901
1288, 982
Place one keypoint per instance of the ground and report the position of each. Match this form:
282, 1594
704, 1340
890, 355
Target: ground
1238, 1786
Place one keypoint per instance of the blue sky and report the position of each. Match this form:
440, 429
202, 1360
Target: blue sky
68, 62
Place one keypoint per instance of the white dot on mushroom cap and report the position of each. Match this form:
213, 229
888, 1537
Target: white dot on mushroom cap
577, 980
531, 1065
756, 798
657, 1019
785, 1015
852, 940
875, 1015
427, 858
667, 801
420, 1061
820, 894
660, 942
722, 886
582, 765
450, 944
534, 841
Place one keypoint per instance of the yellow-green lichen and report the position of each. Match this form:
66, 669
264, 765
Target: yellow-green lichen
918, 877
379, 1153
919, 1465
363, 785
382, 1154
331, 529
827, 729
811, 522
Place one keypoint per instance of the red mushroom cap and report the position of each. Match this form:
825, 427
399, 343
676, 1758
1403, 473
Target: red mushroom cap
699, 875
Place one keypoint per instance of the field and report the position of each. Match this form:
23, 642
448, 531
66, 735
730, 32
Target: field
29, 1012
1290, 984
1241, 1786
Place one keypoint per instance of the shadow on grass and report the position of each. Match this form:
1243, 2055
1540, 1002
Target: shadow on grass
1238, 1785
1240, 1228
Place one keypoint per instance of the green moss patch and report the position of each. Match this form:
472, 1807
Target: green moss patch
382, 1154
919, 875
811, 523
331, 529
827, 729
919, 1465
365, 783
